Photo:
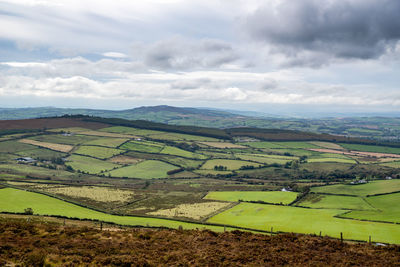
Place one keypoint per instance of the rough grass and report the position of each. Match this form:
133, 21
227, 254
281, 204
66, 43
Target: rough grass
195, 211
53, 146
143, 146
228, 163
107, 141
371, 188
222, 145
334, 202
90, 165
387, 209
41, 153
310, 221
394, 164
96, 193
147, 170
105, 134
98, 152
14, 146
332, 159
261, 159
170, 150
265, 196
75, 139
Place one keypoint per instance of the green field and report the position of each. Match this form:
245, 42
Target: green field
89, 165
170, 150
107, 141
266, 196
388, 209
228, 163
41, 153
143, 146
266, 160
368, 148
334, 202
75, 139
98, 151
371, 188
13, 200
14, 146
146, 170
263, 145
394, 164
302, 220
333, 159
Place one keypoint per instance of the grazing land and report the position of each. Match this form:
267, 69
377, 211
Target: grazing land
98, 151
123, 170
387, 209
264, 196
371, 188
321, 201
302, 220
147, 170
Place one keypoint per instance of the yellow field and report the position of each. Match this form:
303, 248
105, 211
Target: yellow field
327, 145
52, 146
222, 145
100, 194
195, 211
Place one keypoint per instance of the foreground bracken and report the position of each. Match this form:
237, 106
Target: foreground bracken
37, 244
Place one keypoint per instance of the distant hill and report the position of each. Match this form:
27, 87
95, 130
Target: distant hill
379, 128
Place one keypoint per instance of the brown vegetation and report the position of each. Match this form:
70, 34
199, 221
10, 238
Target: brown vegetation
38, 244
52, 146
49, 123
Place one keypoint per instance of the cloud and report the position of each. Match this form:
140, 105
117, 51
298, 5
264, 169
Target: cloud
349, 29
115, 55
182, 54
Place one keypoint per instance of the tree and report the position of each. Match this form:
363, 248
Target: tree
28, 211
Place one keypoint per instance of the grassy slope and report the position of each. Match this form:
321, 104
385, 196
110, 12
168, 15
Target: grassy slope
98, 152
13, 200
374, 187
301, 220
266, 196
147, 170
387, 205
230, 164
89, 165
334, 202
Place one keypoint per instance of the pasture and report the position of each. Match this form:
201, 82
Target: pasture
371, 188
107, 141
308, 221
75, 139
334, 202
89, 165
228, 163
148, 169
265, 196
147, 147
387, 209
369, 148
222, 145
98, 151
14, 200
171, 150
332, 159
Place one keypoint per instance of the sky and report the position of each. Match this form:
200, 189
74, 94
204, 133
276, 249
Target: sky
260, 55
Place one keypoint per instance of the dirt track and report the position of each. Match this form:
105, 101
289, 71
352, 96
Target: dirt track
38, 243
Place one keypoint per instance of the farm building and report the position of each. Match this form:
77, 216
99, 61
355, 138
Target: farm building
25, 160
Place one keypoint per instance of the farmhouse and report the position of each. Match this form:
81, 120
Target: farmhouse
25, 160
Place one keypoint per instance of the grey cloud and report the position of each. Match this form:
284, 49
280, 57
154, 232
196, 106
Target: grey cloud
179, 53
190, 84
362, 29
